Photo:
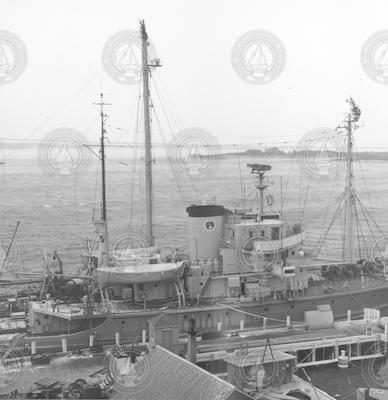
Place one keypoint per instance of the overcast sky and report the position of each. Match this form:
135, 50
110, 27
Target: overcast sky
194, 40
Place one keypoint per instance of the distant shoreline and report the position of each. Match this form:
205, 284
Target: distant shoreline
28, 151
277, 153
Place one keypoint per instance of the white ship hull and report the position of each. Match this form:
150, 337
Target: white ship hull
125, 275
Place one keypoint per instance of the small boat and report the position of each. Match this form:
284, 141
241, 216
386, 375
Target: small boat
120, 275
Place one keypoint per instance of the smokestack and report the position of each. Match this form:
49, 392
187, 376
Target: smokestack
192, 342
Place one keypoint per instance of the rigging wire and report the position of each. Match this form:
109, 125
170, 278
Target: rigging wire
242, 184
57, 110
169, 124
366, 212
325, 233
259, 316
364, 181
136, 137
164, 95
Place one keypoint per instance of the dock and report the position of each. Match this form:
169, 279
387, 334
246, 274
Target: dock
353, 339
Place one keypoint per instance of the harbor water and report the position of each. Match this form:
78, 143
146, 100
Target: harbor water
56, 213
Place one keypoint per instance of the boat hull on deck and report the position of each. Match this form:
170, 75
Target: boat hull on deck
145, 273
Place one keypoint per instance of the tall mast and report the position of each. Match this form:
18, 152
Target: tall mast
147, 133
351, 117
104, 233
102, 147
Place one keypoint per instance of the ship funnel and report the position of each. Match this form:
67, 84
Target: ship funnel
206, 226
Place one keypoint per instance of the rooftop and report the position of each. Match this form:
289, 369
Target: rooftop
170, 377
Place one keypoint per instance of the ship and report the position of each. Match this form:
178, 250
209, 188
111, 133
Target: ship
244, 266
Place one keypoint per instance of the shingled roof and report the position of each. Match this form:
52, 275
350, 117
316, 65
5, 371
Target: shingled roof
162, 375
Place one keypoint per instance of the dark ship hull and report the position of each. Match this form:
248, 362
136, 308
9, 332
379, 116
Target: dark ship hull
228, 317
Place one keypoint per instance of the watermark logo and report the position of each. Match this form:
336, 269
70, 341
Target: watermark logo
131, 248
195, 152
257, 254
130, 369
13, 57
10, 370
256, 371
258, 57
374, 57
378, 253
374, 370
122, 57
320, 152
63, 152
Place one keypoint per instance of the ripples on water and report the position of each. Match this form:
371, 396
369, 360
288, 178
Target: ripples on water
56, 212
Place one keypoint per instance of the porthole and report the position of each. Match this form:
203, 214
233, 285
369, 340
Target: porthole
122, 322
209, 315
292, 306
209, 225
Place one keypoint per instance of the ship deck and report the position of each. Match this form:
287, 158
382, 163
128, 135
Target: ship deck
322, 287
317, 289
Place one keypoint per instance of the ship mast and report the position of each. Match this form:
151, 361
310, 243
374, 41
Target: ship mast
260, 184
351, 117
104, 227
147, 133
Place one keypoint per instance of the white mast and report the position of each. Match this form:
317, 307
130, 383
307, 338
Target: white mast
147, 135
260, 184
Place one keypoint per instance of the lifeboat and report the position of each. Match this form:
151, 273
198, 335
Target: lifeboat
125, 275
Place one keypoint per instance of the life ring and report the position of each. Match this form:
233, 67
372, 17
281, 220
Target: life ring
233, 291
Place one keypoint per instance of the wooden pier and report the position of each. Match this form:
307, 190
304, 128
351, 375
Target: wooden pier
345, 341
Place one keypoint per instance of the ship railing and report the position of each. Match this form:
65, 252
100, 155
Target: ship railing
269, 246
